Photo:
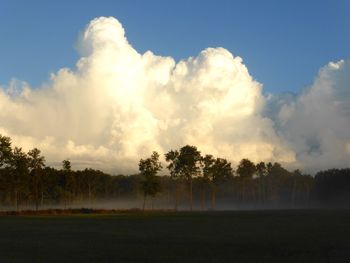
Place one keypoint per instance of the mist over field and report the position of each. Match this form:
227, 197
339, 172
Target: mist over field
117, 106
174, 131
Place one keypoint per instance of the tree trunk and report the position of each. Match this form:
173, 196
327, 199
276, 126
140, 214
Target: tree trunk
144, 202
36, 191
307, 195
253, 192
89, 194
203, 198
16, 200
293, 193
243, 190
260, 188
191, 196
42, 197
213, 198
263, 190
64, 191
176, 202
176, 196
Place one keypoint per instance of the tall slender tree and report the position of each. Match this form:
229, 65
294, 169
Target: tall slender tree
222, 170
36, 164
172, 158
207, 164
66, 169
149, 169
19, 165
215, 170
188, 164
246, 169
5, 163
261, 171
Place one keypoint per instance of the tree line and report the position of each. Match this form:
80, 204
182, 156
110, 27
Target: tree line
193, 181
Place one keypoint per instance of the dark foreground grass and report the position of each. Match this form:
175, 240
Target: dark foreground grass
241, 236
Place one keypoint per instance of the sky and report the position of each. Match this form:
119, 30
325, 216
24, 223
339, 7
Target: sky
283, 43
106, 83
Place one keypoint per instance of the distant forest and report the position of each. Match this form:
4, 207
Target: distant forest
193, 182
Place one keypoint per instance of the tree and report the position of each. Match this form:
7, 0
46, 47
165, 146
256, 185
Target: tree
5, 163
70, 181
90, 181
261, 171
36, 164
172, 158
149, 169
296, 174
278, 179
19, 174
5, 150
222, 170
66, 165
215, 170
188, 166
207, 164
246, 169
66, 168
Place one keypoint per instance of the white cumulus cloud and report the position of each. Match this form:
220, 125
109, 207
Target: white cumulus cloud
316, 123
118, 105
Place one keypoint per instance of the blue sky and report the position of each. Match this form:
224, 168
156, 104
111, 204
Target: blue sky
283, 43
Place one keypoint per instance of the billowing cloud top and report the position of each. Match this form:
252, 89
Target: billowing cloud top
117, 106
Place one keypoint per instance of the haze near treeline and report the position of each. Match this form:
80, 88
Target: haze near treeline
201, 182
117, 106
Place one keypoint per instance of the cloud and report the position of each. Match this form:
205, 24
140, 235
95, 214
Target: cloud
118, 105
316, 123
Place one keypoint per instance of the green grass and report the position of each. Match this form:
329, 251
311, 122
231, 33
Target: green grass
241, 236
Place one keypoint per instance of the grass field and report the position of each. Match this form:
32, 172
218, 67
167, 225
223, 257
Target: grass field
240, 236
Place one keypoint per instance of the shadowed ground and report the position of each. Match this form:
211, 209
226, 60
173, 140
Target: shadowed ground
240, 236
